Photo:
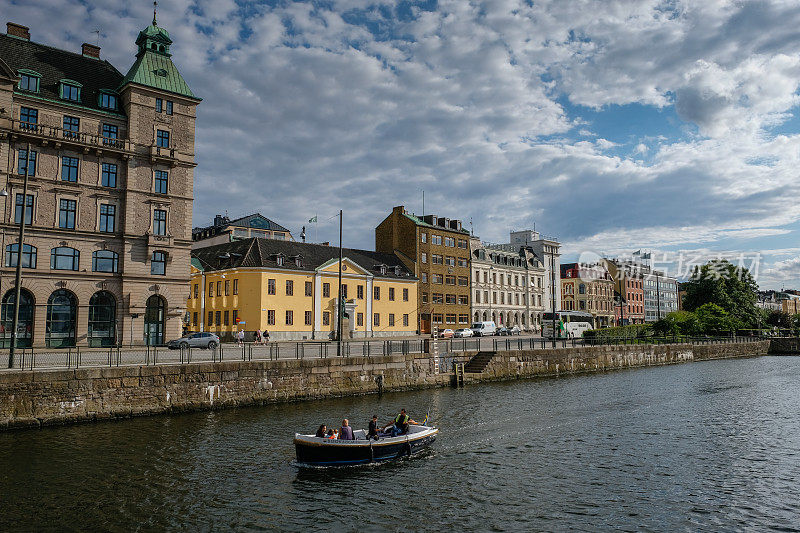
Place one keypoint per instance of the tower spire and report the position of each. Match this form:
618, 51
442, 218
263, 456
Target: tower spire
155, 7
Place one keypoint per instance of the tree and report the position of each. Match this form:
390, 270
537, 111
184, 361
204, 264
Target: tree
713, 318
731, 288
678, 323
779, 319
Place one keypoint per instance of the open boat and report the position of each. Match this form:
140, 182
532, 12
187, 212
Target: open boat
320, 451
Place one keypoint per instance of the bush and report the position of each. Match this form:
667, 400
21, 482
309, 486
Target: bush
678, 323
631, 331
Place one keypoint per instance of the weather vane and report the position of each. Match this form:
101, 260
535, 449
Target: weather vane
155, 7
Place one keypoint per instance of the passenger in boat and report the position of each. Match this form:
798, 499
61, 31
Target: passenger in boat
372, 430
346, 432
332, 434
321, 431
399, 426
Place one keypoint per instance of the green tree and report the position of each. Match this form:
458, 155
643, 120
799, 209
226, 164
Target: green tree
678, 323
731, 288
779, 319
713, 319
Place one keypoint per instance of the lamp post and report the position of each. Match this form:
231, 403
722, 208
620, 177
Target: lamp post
18, 275
339, 302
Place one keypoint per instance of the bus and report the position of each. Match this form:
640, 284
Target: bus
569, 324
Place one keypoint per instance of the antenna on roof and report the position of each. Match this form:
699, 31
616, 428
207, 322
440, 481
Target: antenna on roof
155, 7
97, 36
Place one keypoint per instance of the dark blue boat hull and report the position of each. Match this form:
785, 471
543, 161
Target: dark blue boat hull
374, 452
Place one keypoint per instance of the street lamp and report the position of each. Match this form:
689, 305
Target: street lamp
18, 275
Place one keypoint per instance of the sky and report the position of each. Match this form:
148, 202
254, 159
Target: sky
657, 125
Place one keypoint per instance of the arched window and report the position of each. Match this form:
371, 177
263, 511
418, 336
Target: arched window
105, 261
64, 258
581, 289
102, 319
154, 320
158, 264
28, 255
25, 323
62, 308
477, 317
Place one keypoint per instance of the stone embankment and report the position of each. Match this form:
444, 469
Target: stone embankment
38, 398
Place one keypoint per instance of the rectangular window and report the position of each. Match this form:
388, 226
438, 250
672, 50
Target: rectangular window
391, 294
219, 288
437, 318
196, 290
359, 319
450, 280
235, 287
477, 297
29, 117
436, 239
424, 258
405, 321
450, 299
462, 262
169, 107
159, 222
462, 243
463, 299
463, 319
308, 318
235, 316
450, 319
289, 287
108, 218
438, 298
108, 101
66, 214
449, 241
376, 319
108, 177
271, 317
71, 127
360, 292
326, 318
159, 105
70, 92
270, 286
344, 291
110, 131
211, 318
162, 138
28, 209
424, 297
227, 287
289, 318
194, 319
391, 320
405, 295
217, 318
423, 277
29, 83
450, 261
437, 259
161, 181
64, 258
309, 289
326, 290
436, 278
26, 163
463, 281
210, 289
423, 237
225, 318
69, 169
376, 293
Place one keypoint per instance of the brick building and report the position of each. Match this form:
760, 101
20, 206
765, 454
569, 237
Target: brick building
629, 291
436, 250
109, 159
588, 288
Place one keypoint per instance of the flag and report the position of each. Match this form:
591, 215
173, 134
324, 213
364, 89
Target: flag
313, 219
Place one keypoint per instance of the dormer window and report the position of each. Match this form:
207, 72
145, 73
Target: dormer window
397, 271
108, 101
29, 81
383, 270
70, 90
298, 261
279, 260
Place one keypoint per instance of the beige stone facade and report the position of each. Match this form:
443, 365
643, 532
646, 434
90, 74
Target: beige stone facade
111, 188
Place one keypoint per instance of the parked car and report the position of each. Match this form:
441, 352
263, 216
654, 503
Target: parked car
446, 334
462, 333
514, 330
483, 329
195, 340
502, 330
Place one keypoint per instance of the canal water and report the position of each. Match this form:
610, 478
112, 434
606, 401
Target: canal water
705, 446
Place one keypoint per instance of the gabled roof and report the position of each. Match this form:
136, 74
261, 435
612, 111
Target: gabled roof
54, 65
257, 252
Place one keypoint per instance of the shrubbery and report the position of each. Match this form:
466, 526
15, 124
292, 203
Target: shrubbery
620, 332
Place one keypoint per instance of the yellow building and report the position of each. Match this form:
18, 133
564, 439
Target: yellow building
291, 289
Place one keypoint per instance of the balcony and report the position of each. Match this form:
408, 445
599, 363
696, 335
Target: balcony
170, 156
81, 139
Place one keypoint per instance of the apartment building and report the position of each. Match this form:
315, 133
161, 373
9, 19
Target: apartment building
109, 161
223, 230
436, 250
291, 289
588, 288
629, 291
548, 251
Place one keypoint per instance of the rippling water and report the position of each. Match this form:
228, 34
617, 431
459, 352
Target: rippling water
711, 446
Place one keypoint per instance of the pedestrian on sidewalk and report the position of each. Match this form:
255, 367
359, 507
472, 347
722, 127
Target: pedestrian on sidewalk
240, 337
265, 337
257, 339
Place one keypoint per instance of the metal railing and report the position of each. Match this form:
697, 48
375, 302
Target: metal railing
79, 137
85, 357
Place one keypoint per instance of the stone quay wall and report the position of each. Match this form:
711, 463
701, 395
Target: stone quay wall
41, 398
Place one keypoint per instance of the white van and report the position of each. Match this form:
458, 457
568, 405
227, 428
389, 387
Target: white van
483, 329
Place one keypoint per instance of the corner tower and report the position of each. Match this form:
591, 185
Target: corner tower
160, 108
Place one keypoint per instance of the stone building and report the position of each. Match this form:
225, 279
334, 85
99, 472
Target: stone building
660, 294
223, 230
588, 288
507, 285
547, 249
436, 250
110, 161
291, 289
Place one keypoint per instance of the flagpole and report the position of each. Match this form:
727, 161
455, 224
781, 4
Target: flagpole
340, 302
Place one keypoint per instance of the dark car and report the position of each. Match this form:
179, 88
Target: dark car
502, 330
514, 330
195, 340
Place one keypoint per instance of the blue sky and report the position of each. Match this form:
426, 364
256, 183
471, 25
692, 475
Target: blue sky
615, 125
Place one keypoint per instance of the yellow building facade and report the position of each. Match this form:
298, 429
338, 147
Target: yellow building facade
291, 290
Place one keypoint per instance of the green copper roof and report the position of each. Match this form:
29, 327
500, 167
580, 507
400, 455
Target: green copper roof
152, 30
155, 70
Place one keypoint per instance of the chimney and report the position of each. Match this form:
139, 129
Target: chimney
18, 30
218, 221
90, 50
